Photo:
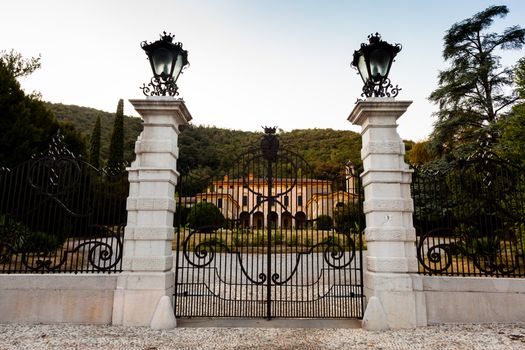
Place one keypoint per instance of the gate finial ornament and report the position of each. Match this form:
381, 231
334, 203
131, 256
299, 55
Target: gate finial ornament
270, 130
270, 144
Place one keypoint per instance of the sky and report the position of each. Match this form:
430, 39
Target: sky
252, 63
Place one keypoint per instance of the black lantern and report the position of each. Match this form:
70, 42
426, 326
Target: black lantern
373, 61
167, 61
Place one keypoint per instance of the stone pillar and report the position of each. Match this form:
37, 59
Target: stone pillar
392, 285
145, 287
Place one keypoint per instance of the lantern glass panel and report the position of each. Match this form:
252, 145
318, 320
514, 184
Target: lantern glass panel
361, 67
162, 62
178, 67
379, 63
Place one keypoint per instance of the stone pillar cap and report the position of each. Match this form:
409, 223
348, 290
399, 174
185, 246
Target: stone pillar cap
377, 106
153, 105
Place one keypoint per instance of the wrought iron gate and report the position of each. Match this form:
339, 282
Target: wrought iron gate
269, 239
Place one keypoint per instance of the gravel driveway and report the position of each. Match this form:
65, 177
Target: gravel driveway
486, 337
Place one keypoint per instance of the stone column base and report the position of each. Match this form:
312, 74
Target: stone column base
138, 295
396, 297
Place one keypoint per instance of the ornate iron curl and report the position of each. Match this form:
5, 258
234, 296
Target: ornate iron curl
6, 251
440, 257
99, 254
261, 276
159, 86
205, 250
384, 88
333, 252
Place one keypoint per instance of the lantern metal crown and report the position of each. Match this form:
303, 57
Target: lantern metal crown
167, 60
373, 62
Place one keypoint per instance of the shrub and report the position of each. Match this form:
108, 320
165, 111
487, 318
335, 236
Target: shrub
181, 215
293, 241
331, 241
218, 244
347, 216
277, 237
41, 242
258, 240
324, 222
205, 215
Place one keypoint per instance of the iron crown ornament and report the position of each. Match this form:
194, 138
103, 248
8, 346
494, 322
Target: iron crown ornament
167, 60
373, 62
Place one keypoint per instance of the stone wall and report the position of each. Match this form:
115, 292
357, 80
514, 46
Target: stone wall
474, 299
64, 298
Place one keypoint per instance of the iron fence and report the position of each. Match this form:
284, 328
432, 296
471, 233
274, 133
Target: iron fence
470, 220
59, 214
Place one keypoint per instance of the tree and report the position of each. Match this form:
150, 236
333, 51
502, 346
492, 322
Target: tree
94, 150
17, 65
73, 138
420, 153
473, 92
116, 147
324, 222
205, 216
519, 77
348, 217
26, 124
512, 144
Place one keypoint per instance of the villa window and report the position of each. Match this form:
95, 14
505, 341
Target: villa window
299, 200
286, 201
219, 203
244, 200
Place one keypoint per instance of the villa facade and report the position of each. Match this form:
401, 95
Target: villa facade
296, 201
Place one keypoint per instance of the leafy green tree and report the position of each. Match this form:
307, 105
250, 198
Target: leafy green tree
348, 217
116, 146
94, 150
205, 215
17, 65
420, 153
324, 222
512, 144
26, 124
473, 93
73, 138
519, 77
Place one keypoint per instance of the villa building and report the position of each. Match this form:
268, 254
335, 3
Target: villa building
296, 201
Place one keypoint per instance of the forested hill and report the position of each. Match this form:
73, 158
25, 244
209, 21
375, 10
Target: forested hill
84, 119
212, 151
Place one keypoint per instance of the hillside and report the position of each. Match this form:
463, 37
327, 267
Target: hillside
212, 151
84, 119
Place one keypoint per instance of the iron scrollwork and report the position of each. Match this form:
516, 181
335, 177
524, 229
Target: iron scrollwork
384, 88
160, 86
48, 222
484, 254
103, 254
335, 254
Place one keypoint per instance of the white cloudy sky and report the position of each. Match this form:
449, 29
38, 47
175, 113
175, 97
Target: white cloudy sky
253, 63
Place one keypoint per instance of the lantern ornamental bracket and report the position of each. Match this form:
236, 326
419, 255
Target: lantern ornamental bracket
167, 60
373, 62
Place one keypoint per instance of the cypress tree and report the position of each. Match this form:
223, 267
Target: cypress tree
116, 147
94, 151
